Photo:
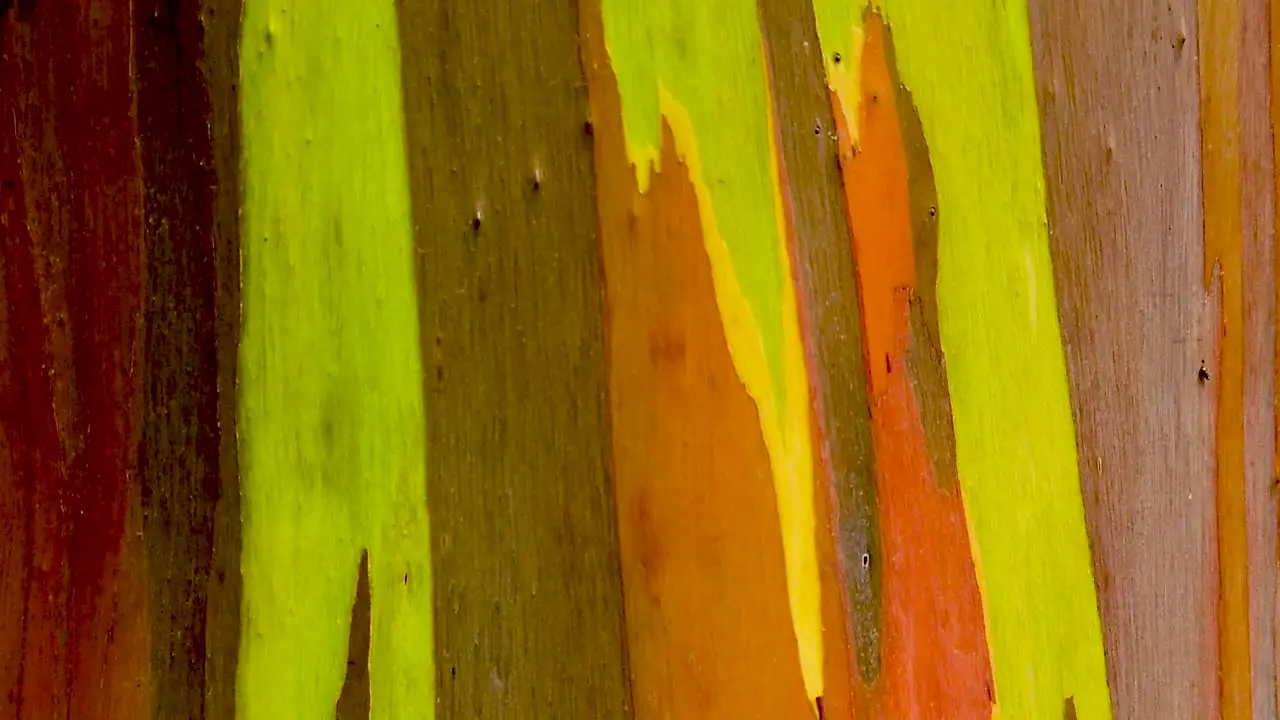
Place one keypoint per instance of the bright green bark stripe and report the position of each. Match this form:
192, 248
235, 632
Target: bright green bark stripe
331, 417
968, 65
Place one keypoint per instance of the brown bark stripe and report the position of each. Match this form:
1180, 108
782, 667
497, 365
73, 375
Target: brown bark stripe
1258, 262
179, 452
1119, 109
524, 547
220, 63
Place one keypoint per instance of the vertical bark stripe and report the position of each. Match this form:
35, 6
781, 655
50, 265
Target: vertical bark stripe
699, 68
523, 536
1220, 37
935, 653
73, 268
331, 410
971, 78
708, 623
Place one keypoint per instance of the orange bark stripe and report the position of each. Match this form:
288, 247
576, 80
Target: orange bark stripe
934, 643
1223, 247
704, 581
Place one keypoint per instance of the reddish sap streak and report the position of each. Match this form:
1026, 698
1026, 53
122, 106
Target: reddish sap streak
73, 275
935, 660
32, 643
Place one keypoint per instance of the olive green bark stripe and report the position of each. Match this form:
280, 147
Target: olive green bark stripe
331, 413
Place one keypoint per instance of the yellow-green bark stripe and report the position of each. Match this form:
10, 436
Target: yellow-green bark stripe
331, 416
968, 65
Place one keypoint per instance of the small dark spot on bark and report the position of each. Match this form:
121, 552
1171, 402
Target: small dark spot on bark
875, 97
439, 340
1180, 42
817, 129
453, 672
888, 364
406, 579
537, 183
836, 58
933, 211
8, 184
822, 707
439, 373
475, 223
866, 561
1204, 373
991, 695
588, 129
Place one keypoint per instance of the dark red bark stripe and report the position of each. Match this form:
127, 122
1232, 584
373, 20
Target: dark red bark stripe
77, 277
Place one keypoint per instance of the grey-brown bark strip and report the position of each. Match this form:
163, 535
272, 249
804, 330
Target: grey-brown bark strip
1119, 107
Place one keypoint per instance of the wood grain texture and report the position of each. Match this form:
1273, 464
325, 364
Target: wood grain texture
73, 279
220, 63
179, 457
1258, 262
1273, 109
1220, 142
156, 247
1122, 163
839, 493
528, 599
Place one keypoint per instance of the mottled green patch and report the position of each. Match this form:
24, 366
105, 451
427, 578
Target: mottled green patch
331, 416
